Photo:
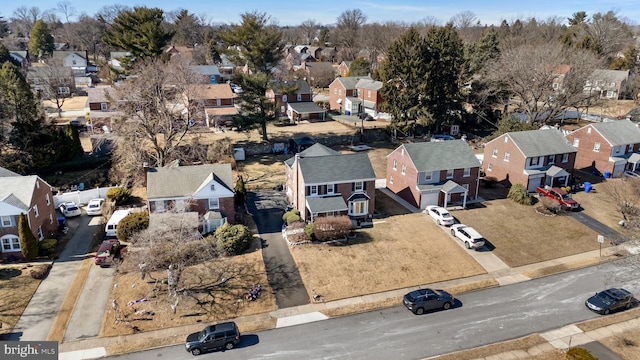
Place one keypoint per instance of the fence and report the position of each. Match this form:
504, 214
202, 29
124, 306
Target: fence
80, 197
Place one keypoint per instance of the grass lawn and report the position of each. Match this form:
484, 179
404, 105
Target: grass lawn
16, 289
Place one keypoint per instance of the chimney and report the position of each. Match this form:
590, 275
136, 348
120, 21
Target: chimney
145, 169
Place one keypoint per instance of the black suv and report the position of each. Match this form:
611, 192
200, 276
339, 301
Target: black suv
419, 301
610, 300
224, 335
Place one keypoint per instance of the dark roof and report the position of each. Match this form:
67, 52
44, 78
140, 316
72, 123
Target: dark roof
535, 143
441, 155
340, 168
303, 86
305, 107
314, 150
326, 204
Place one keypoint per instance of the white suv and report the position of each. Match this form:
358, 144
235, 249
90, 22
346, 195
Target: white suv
469, 236
440, 215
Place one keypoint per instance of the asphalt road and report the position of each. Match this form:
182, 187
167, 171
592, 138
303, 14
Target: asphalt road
267, 207
479, 318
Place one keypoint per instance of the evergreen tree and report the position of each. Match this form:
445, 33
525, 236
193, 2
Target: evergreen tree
187, 29
40, 40
480, 53
139, 31
19, 105
28, 242
359, 67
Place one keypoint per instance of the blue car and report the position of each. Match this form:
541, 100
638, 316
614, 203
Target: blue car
442, 137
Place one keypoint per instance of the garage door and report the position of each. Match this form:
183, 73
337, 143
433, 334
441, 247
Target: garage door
429, 199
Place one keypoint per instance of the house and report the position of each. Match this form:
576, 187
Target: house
560, 73
343, 68
45, 79
318, 73
21, 57
226, 68
532, 158
212, 104
76, 60
369, 94
607, 84
607, 147
316, 52
102, 112
296, 106
116, 59
342, 89
434, 173
323, 182
29, 195
210, 73
329, 54
204, 189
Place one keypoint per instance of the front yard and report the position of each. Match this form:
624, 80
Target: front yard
16, 289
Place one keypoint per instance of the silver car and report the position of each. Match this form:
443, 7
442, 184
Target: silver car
469, 236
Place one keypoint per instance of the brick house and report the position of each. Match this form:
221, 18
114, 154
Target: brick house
203, 189
611, 147
607, 84
369, 94
342, 89
28, 195
101, 110
303, 94
434, 173
343, 68
211, 104
532, 158
323, 182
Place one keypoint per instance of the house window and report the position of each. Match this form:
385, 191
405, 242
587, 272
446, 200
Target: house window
428, 175
357, 207
214, 203
449, 173
40, 233
404, 168
576, 142
6, 221
73, 62
467, 172
395, 165
355, 92
506, 157
489, 167
556, 86
213, 187
565, 158
10, 243
35, 210
506, 139
159, 205
179, 205
611, 94
284, 98
299, 97
282, 109
617, 149
48, 200
50, 218
38, 186
391, 179
313, 190
63, 90
588, 130
339, 91
495, 153
335, 91
551, 159
103, 106
331, 188
596, 147
368, 94
613, 84
535, 161
218, 102
358, 186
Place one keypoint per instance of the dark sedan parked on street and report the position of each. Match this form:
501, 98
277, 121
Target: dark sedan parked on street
610, 300
421, 300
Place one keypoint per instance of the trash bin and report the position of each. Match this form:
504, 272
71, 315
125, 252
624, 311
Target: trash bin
61, 221
587, 187
607, 174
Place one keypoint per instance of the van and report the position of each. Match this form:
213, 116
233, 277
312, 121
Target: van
110, 229
220, 336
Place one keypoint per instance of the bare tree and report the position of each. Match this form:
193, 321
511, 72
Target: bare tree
463, 22
66, 9
347, 33
26, 17
55, 85
377, 37
626, 196
108, 13
309, 29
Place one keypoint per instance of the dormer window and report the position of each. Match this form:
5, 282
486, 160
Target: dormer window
284, 98
213, 187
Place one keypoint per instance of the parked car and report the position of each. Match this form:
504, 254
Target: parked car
69, 209
224, 335
419, 301
442, 137
469, 236
94, 207
560, 196
610, 300
630, 174
440, 215
108, 250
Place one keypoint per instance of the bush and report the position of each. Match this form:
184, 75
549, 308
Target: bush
240, 192
579, 354
291, 216
308, 230
120, 195
47, 247
28, 242
131, 224
519, 194
233, 239
550, 204
39, 272
331, 228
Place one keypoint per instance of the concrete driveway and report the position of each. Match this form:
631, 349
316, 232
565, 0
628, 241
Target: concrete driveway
37, 319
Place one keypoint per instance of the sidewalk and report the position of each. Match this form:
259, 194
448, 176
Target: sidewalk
557, 339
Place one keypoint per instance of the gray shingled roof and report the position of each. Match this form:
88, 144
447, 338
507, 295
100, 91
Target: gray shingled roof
18, 190
6, 172
303, 86
336, 168
618, 132
184, 181
369, 84
441, 155
326, 204
350, 82
608, 76
316, 149
305, 107
534, 143
205, 69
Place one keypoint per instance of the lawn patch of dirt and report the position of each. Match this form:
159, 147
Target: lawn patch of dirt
263, 171
386, 206
531, 237
202, 297
16, 289
390, 255
495, 349
625, 344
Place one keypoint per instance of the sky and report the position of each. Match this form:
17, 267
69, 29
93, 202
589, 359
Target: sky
288, 12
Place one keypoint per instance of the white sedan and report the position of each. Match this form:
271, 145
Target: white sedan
469, 236
440, 215
69, 209
94, 207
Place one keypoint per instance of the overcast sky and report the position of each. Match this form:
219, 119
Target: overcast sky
288, 12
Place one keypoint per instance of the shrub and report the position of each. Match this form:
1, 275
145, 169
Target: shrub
331, 228
131, 224
40, 271
47, 247
291, 216
233, 239
579, 354
550, 204
308, 231
240, 191
28, 242
120, 195
519, 194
